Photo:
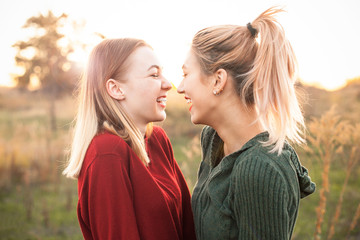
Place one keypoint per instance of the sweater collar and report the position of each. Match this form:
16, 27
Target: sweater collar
217, 147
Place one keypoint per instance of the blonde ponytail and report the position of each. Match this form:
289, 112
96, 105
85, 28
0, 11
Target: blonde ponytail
263, 66
272, 80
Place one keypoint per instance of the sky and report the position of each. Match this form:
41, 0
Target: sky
325, 34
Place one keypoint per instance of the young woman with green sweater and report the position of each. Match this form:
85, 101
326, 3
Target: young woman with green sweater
240, 81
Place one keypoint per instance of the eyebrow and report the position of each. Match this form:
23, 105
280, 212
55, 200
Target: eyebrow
154, 66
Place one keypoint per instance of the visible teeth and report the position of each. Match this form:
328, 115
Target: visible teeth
188, 100
161, 100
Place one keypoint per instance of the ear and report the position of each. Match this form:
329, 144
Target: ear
220, 79
114, 90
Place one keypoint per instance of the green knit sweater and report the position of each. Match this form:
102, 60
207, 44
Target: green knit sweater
249, 194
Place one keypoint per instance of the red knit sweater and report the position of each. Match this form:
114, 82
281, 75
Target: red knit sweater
120, 198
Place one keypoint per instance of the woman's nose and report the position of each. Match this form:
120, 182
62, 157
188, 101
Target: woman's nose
166, 84
180, 88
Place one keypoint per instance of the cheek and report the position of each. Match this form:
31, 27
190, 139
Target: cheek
150, 94
198, 89
192, 85
148, 89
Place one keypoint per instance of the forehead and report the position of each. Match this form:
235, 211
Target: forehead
190, 60
143, 58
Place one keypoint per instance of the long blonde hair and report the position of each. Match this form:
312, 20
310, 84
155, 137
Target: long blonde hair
263, 66
97, 111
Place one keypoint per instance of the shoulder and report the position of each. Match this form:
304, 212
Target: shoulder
256, 176
257, 164
159, 140
159, 132
106, 151
158, 136
106, 147
108, 143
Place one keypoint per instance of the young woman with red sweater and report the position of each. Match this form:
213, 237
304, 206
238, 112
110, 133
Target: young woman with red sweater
129, 184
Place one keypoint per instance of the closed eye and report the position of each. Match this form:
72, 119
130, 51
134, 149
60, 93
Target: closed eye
155, 75
157, 69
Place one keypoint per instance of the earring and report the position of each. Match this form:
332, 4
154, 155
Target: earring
217, 93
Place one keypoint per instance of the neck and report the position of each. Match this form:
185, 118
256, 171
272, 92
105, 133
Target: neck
236, 125
142, 129
141, 125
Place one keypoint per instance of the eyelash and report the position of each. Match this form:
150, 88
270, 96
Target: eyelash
155, 75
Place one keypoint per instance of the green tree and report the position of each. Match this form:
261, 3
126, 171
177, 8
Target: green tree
44, 59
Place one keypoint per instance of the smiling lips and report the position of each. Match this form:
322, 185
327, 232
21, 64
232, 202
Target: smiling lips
162, 101
188, 100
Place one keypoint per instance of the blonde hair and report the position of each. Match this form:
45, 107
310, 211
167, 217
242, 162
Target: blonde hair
97, 111
263, 66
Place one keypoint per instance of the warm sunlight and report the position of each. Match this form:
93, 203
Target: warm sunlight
326, 58
211, 168
80, 56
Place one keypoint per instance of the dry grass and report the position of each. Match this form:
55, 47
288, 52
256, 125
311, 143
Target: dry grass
330, 137
31, 154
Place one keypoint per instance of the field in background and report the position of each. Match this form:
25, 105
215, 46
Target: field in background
37, 202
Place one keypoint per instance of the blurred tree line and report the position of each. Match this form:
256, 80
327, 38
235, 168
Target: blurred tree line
44, 58
332, 153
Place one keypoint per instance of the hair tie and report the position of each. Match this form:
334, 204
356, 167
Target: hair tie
252, 30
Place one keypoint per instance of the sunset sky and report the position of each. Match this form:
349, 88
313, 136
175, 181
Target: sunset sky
325, 34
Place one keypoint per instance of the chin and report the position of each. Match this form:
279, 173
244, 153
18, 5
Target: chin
195, 121
160, 117
199, 119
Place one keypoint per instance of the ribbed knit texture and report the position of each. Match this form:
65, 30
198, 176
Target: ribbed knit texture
250, 194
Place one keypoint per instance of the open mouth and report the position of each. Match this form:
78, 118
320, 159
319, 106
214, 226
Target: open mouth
189, 101
162, 101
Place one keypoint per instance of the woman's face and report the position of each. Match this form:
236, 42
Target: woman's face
197, 88
145, 88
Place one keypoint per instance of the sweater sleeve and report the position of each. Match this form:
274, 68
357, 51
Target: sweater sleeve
110, 199
260, 201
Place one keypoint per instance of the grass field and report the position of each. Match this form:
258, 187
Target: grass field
37, 202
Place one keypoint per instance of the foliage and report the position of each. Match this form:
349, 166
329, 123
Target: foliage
43, 58
332, 138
